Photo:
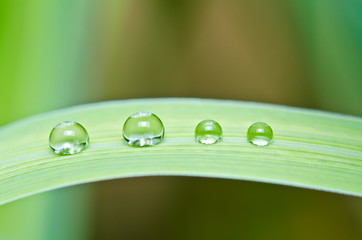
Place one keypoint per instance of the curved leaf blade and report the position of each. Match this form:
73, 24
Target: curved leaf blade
311, 149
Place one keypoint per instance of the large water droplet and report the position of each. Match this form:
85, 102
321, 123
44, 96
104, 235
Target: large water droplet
208, 132
68, 138
260, 134
143, 129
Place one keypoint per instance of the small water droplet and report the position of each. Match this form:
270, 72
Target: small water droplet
260, 134
68, 138
143, 129
208, 132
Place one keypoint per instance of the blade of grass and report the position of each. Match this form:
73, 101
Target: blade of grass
311, 149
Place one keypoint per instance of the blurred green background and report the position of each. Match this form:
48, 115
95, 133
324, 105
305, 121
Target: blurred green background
60, 53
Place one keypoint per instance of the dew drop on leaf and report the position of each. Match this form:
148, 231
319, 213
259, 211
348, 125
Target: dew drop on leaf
68, 138
208, 132
143, 129
260, 134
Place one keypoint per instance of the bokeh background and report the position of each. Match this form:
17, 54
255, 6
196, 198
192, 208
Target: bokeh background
59, 53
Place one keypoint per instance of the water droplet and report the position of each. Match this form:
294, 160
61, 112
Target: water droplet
260, 134
208, 132
143, 129
68, 138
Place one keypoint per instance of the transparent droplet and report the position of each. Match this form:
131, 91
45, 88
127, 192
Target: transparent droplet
208, 132
143, 129
260, 134
68, 138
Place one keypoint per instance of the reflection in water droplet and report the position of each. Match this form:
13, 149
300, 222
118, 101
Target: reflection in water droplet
68, 138
260, 134
208, 132
143, 129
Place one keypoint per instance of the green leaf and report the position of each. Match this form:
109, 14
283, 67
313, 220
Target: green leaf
311, 149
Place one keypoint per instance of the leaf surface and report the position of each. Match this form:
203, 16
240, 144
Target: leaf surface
311, 149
